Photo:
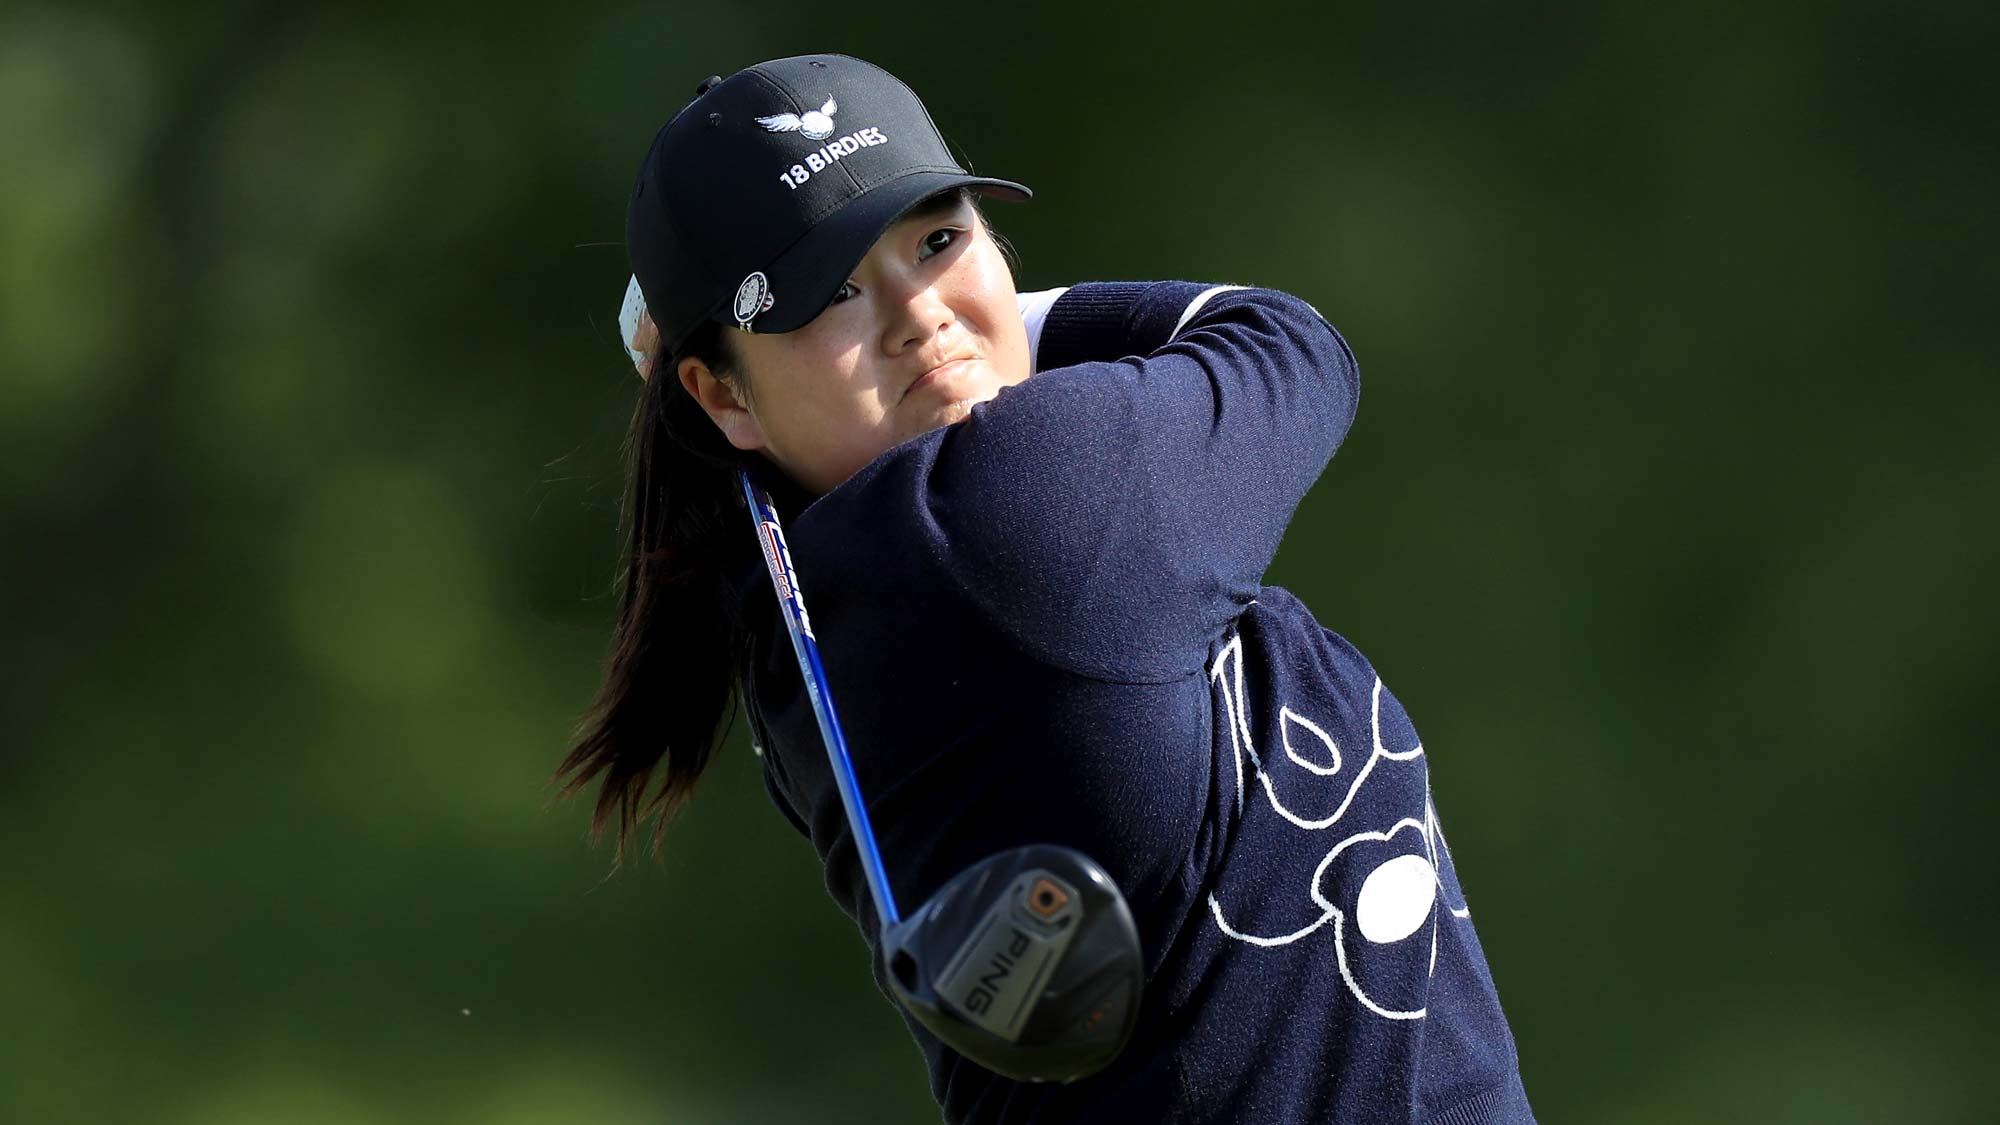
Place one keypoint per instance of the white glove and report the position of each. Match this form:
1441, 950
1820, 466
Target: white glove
636, 329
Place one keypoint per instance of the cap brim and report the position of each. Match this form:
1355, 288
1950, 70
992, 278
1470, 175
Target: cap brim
805, 278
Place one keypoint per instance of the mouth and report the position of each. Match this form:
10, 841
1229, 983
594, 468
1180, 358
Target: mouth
943, 371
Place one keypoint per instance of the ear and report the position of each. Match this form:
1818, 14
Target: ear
728, 412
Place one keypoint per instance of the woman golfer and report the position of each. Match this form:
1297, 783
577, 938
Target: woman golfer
1030, 534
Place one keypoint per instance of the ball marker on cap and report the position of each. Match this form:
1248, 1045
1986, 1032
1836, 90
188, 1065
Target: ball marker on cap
753, 298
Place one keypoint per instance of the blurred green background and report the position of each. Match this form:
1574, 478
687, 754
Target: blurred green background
1661, 515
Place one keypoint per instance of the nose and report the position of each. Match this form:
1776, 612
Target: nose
921, 312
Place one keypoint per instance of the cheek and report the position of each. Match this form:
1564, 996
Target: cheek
990, 296
824, 399
805, 365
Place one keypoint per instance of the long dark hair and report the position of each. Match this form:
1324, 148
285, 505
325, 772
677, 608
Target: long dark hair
670, 682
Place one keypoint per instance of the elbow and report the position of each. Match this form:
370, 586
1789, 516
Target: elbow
1345, 373
1323, 351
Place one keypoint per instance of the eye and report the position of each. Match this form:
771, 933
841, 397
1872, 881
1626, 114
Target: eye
845, 291
938, 241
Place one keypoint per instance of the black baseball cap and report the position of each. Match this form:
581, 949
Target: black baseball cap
757, 200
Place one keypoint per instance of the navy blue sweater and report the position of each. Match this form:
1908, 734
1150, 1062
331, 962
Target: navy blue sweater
1045, 624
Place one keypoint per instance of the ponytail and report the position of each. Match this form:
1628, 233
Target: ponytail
669, 683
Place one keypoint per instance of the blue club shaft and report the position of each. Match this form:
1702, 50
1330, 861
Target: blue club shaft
785, 580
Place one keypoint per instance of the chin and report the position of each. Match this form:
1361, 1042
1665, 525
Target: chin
939, 416
958, 411
946, 411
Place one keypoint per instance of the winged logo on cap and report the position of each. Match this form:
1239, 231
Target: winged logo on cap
814, 123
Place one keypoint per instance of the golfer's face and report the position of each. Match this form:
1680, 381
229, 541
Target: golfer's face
926, 327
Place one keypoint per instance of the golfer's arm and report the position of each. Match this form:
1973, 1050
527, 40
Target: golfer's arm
1127, 500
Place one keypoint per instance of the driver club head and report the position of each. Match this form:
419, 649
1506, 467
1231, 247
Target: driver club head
1027, 963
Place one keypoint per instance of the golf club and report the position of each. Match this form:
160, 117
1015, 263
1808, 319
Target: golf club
1027, 962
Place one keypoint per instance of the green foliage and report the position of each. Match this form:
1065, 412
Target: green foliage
1661, 515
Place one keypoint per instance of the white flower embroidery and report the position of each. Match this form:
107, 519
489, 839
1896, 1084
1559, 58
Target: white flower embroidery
1402, 888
